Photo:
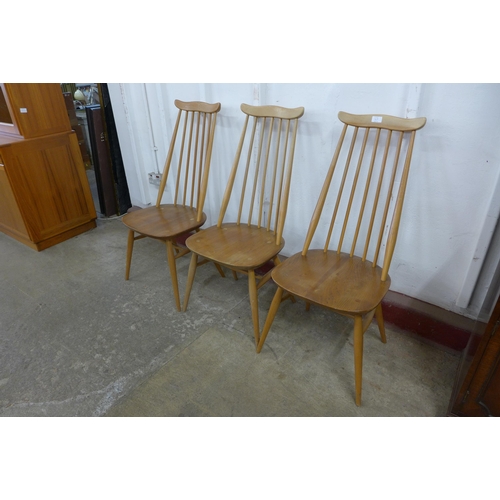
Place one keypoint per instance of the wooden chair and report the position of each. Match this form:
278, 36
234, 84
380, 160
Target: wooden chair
375, 151
191, 143
267, 148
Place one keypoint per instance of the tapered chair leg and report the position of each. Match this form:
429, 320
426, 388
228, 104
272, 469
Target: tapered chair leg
358, 356
219, 268
190, 279
380, 322
173, 273
270, 317
254, 304
130, 248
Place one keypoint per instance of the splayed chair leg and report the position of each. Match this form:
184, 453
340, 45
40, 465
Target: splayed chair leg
190, 279
270, 317
219, 268
130, 248
358, 356
252, 291
380, 322
173, 273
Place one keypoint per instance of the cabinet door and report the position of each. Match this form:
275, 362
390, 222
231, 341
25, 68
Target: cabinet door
36, 109
48, 178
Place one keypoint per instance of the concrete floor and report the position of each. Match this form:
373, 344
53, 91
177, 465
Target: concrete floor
78, 340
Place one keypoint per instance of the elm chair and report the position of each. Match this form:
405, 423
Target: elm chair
191, 146
375, 151
260, 182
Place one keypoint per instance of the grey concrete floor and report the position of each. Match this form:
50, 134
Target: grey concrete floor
76, 339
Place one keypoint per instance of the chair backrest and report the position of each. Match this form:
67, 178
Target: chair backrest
369, 170
191, 146
266, 149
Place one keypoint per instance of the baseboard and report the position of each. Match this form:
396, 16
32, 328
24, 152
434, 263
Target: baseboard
428, 322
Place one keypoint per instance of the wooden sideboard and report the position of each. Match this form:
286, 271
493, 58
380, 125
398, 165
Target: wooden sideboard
45, 196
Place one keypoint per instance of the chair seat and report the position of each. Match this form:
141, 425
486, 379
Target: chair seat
165, 221
240, 246
337, 281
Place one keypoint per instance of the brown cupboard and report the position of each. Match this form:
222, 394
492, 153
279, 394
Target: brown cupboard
45, 196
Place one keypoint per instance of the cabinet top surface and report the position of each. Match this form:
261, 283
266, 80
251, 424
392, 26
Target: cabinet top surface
5, 140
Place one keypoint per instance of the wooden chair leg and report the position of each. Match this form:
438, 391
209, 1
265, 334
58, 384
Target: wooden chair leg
270, 317
358, 356
308, 306
254, 304
219, 268
173, 273
235, 275
380, 322
130, 248
190, 279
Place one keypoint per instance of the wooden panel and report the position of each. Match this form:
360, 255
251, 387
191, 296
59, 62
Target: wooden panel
50, 185
491, 397
37, 108
11, 220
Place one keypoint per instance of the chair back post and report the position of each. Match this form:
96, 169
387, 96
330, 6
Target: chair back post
369, 181
166, 167
181, 156
284, 204
208, 159
377, 196
264, 175
196, 145
396, 219
323, 195
264, 156
232, 176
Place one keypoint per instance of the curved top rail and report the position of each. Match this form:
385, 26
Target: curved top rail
202, 107
382, 121
272, 111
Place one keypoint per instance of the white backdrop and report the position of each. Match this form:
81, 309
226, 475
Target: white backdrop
450, 209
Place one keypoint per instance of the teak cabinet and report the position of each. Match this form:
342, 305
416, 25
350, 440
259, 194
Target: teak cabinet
45, 196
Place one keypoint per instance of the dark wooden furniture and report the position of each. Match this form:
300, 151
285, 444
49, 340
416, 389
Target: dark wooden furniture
45, 196
101, 160
477, 391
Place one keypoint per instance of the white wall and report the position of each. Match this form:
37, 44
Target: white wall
454, 172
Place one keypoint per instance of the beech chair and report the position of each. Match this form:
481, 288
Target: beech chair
375, 151
261, 193
191, 143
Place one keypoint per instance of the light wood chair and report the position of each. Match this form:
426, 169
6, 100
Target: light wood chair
191, 144
375, 151
255, 238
